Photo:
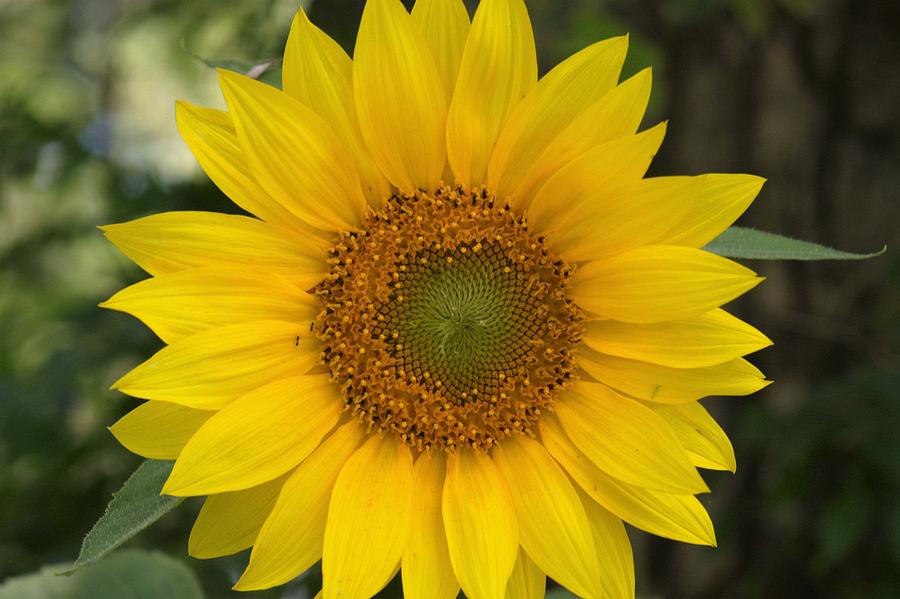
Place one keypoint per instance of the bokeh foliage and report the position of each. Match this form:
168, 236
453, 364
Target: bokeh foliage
804, 92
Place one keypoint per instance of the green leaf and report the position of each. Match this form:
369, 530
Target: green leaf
129, 574
136, 506
750, 244
267, 71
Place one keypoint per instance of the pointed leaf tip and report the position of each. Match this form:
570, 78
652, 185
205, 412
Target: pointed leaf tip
133, 508
752, 244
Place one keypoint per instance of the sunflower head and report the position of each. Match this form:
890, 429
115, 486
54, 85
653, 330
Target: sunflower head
459, 333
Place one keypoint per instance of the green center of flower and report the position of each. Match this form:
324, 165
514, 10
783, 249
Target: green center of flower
465, 317
446, 321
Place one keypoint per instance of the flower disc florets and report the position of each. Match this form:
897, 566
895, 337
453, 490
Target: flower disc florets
446, 321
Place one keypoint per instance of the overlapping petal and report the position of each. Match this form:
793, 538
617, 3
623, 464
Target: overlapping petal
527, 581
211, 137
610, 217
211, 368
294, 154
613, 550
444, 25
158, 430
318, 73
592, 219
694, 342
291, 539
499, 67
173, 241
368, 519
659, 283
678, 517
481, 525
578, 187
398, 92
702, 437
257, 437
229, 522
664, 384
553, 527
617, 114
178, 304
718, 202
427, 571
557, 99
627, 440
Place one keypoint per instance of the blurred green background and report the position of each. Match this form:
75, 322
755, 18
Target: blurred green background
803, 92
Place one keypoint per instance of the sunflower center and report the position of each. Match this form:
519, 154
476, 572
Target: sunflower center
464, 316
446, 321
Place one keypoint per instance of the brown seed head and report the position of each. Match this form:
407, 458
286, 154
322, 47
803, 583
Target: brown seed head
446, 321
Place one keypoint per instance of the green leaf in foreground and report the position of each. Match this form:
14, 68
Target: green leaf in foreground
750, 244
136, 506
129, 574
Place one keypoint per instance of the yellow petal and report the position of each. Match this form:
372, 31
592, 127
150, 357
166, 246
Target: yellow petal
499, 67
229, 522
397, 87
178, 304
292, 536
663, 384
559, 97
426, 568
617, 114
660, 282
527, 580
553, 526
626, 439
318, 73
368, 519
579, 186
211, 368
719, 201
157, 430
173, 241
678, 517
705, 340
210, 135
294, 155
444, 25
702, 437
257, 437
481, 525
613, 550
688, 211
612, 218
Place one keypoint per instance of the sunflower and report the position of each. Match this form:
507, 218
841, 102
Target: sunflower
461, 334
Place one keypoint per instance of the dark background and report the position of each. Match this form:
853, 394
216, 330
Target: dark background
803, 92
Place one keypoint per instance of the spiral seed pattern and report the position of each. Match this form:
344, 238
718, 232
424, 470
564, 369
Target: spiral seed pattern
446, 321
